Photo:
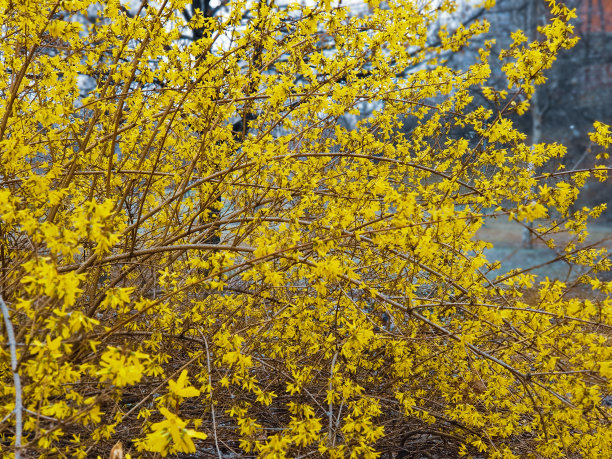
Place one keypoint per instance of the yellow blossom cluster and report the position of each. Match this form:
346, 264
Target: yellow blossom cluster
197, 252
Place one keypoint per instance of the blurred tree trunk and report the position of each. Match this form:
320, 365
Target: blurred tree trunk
532, 22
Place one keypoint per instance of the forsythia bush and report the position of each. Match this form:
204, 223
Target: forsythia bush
198, 255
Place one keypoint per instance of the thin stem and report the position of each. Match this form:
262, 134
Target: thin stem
16, 379
331, 404
212, 402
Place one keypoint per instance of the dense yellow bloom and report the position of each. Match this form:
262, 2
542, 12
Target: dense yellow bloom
210, 232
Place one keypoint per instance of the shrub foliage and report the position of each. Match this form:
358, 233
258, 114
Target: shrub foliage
199, 253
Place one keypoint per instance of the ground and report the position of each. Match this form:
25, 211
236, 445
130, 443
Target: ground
508, 249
